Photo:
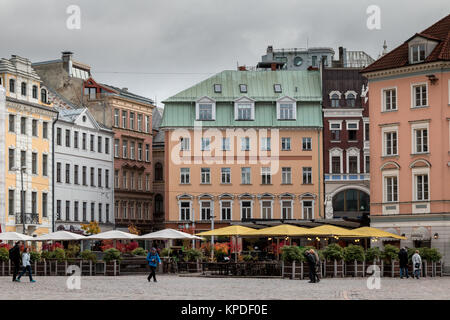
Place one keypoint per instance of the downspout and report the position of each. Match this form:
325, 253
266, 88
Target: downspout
53, 171
318, 169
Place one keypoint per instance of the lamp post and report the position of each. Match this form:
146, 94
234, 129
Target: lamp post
212, 237
22, 200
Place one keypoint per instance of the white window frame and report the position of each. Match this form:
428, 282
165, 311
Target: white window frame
231, 209
384, 131
390, 174
383, 99
413, 94
241, 102
205, 100
226, 145
353, 152
222, 175
186, 172
312, 208
261, 208
420, 172
265, 144
266, 171
249, 175
205, 176
287, 174
411, 55
414, 128
285, 142
305, 140
190, 210
251, 207
291, 202
336, 152
185, 144
246, 144
205, 146
211, 208
287, 100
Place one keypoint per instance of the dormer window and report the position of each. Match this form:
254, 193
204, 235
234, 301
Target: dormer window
205, 109
350, 97
217, 88
43, 96
244, 109
277, 88
335, 100
243, 88
417, 53
286, 109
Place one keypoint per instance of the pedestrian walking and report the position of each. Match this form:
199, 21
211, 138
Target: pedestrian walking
153, 260
14, 256
403, 259
26, 265
417, 264
312, 265
317, 269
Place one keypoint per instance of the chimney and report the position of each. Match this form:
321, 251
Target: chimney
67, 60
242, 68
125, 89
341, 57
269, 49
273, 66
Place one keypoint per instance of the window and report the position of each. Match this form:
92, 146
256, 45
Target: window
286, 176
140, 151
417, 53
307, 175
75, 174
351, 99
390, 141
44, 205
84, 211
147, 124
92, 177
205, 144
44, 96
266, 177
124, 119
245, 144
335, 129
366, 131
185, 144
245, 175
99, 144
205, 175
335, 164
226, 144
421, 140
225, 210
352, 129
184, 175
244, 111
11, 158
420, 96
226, 175
158, 172
314, 61
205, 209
58, 172
277, 88
217, 88
266, 209
391, 189
147, 182
92, 142
23, 125
285, 144
286, 111
107, 145
12, 85
11, 203
139, 121
352, 164
107, 212
132, 151
67, 173
205, 111
139, 181
132, 120
335, 100
58, 209
34, 163
75, 211
100, 218
67, 138
116, 117
286, 209
147, 153
12, 123
116, 147
99, 177
67, 218
45, 130
421, 182
367, 163
307, 210
185, 210
243, 88
75, 139
132, 180
246, 209
92, 211
124, 209
23, 159
390, 99
84, 176
23, 89
306, 144
265, 144
116, 178
84, 141
124, 149
34, 128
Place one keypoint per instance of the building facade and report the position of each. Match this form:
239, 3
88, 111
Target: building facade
83, 171
410, 133
27, 132
244, 147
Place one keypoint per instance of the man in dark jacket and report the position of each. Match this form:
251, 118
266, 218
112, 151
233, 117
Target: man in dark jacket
403, 258
14, 256
312, 266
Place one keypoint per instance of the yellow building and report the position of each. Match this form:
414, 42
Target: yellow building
27, 120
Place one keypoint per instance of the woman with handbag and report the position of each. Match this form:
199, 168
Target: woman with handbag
417, 264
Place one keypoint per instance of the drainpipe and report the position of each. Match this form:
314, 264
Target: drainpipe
53, 171
318, 169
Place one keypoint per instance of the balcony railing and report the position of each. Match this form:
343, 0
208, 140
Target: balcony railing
347, 177
30, 218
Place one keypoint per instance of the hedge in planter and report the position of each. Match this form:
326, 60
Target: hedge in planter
88, 255
139, 252
354, 252
192, 255
291, 253
333, 252
373, 254
58, 254
111, 254
4, 255
390, 253
35, 256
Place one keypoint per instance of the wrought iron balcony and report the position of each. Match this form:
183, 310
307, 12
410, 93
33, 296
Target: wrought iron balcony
347, 177
30, 218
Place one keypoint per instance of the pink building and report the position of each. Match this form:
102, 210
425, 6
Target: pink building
410, 133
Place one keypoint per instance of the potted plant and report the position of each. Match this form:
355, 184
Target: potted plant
110, 256
139, 252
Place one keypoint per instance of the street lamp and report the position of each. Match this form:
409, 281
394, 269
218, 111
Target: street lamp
212, 237
22, 209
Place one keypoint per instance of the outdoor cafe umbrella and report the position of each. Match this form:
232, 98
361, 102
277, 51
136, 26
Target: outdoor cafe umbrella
113, 235
60, 236
377, 233
168, 234
230, 231
14, 236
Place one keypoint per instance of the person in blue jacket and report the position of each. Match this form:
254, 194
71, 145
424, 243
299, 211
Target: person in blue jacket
153, 260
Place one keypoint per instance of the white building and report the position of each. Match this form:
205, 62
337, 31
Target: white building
83, 171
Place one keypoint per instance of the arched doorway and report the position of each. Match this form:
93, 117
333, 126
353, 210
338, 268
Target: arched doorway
351, 203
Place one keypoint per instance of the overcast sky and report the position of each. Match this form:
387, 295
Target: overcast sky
157, 48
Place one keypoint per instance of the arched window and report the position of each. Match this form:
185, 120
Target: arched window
158, 172
351, 200
44, 96
23, 89
351, 100
35, 92
335, 100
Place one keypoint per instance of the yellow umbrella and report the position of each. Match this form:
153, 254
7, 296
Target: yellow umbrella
227, 231
280, 230
328, 230
374, 232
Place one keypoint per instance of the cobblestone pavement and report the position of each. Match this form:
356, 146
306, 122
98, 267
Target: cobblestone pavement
179, 288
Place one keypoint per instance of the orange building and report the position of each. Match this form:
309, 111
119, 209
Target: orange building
410, 133
244, 147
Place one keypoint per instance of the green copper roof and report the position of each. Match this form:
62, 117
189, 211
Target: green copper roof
300, 85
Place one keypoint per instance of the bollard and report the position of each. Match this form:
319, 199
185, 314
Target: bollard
115, 267
282, 269
45, 267
293, 270
335, 268
90, 267
392, 268
56, 267
301, 271
355, 274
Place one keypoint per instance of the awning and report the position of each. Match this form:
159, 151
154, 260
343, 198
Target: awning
234, 230
280, 230
377, 233
168, 234
14, 236
60, 236
328, 230
420, 233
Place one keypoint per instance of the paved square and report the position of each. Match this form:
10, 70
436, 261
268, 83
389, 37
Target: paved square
179, 288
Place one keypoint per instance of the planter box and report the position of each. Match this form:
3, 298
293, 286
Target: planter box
332, 269
134, 265
112, 268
